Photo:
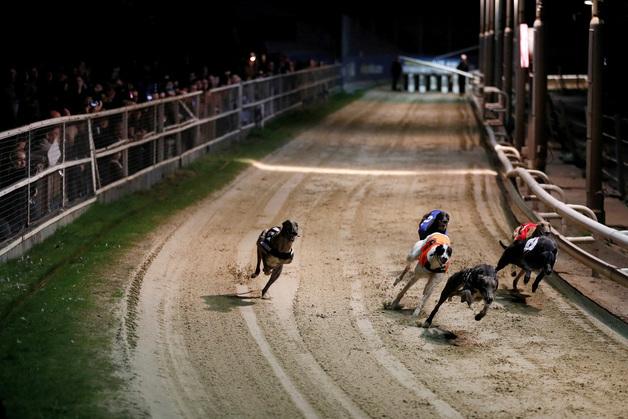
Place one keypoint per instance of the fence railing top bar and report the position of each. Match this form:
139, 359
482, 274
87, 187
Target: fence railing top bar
560, 207
223, 88
303, 71
86, 116
83, 117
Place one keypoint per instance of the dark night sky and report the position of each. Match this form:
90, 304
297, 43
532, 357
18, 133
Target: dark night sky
108, 31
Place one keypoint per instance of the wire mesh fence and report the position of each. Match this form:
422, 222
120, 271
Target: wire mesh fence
50, 168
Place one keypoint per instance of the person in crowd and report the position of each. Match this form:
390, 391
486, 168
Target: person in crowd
463, 65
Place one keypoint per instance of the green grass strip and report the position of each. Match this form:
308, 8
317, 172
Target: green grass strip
57, 323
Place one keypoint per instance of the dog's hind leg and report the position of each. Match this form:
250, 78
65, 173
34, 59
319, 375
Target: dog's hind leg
259, 259
273, 277
405, 289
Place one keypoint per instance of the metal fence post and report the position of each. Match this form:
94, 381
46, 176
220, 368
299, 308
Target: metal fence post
197, 111
537, 151
28, 173
507, 82
92, 152
125, 136
499, 49
490, 43
160, 128
63, 175
595, 194
481, 38
619, 157
521, 78
177, 120
239, 109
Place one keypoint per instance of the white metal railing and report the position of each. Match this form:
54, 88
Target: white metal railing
518, 178
54, 167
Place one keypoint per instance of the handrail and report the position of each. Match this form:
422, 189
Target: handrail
570, 212
563, 209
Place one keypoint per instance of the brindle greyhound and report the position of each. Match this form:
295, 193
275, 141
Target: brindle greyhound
477, 283
274, 249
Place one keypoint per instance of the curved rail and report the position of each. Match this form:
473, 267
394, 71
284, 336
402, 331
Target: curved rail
580, 215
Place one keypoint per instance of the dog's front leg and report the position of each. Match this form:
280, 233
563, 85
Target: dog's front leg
448, 292
273, 277
481, 314
400, 277
259, 259
488, 298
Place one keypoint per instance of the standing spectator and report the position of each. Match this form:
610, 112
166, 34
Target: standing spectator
463, 65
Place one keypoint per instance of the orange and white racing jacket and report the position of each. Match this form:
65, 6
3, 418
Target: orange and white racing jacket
432, 241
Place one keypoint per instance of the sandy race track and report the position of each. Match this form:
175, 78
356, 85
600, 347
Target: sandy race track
322, 345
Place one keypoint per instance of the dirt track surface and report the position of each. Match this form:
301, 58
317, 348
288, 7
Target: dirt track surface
322, 345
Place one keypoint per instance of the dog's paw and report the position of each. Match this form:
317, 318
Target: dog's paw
388, 305
254, 274
424, 324
478, 317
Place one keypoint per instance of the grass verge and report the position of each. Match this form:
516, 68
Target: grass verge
57, 321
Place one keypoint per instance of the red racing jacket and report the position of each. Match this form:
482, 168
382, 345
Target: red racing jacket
524, 231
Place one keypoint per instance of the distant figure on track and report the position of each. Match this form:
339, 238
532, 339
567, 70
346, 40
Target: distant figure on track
463, 65
395, 70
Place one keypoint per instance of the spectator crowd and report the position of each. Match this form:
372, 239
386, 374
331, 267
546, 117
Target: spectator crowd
34, 93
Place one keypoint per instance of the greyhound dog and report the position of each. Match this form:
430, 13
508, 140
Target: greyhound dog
274, 249
533, 254
473, 284
435, 221
432, 254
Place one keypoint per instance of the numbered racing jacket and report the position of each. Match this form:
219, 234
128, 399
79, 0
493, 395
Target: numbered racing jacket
427, 223
432, 241
264, 242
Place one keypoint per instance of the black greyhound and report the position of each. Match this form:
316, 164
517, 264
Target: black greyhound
534, 254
